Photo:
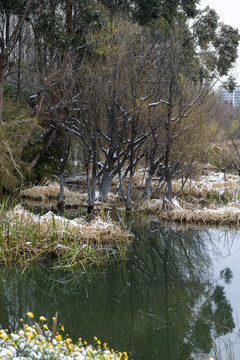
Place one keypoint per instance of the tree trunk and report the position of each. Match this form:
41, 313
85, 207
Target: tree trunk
61, 193
167, 202
91, 193
19, 63
147, 189
68, 20
169, 185
105, 186
128, 199
3, 66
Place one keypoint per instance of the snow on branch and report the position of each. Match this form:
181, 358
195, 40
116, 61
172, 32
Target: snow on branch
158, 103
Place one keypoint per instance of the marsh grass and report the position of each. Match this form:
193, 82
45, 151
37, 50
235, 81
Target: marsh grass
211, 199
49, 193
208, 200
27, 238
187, 214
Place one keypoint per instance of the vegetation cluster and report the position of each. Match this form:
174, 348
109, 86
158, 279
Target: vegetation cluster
105, 88
121, 94
36, 341
26, 238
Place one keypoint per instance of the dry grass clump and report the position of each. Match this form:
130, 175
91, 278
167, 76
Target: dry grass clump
228, 215
213, 185
152, 206
25, 236
51, 192
225, 216
202, 217
98, 231
48, 195
205, 169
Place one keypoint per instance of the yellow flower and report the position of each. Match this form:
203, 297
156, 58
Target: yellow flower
21, 320
62, 328
58, 337
45, 327
42, 318
30, 314
53, 318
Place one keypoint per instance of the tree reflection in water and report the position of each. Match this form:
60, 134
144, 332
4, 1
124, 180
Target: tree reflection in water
160, 304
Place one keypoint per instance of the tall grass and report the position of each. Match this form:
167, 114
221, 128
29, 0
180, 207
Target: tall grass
226, 349
26, 238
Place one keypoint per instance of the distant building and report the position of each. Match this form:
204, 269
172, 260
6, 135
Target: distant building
231, 97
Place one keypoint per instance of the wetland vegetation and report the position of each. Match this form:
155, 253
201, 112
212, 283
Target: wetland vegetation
111, 134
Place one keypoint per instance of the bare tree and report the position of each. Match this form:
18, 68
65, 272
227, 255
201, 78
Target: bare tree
174, 97
108, 118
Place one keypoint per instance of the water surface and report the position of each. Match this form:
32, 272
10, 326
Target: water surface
167, 301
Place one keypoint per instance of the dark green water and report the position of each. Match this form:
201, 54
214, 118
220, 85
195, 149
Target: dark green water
160, 304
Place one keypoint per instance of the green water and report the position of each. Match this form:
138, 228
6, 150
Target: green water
162, 303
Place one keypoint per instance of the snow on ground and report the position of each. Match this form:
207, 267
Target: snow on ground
220, 193
215, 182
104, 230
50, 216
226, 208
222, 188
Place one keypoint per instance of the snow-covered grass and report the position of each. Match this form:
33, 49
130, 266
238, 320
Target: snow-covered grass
26, 237
210, 199
215, 186
223, 216
220, 195
36, 342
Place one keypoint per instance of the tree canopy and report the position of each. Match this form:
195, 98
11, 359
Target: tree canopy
128, 80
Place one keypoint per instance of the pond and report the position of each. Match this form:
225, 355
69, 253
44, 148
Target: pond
170, 299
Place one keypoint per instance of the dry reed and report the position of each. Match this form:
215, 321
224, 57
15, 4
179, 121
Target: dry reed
48, 194
222, 216
214, 190
27, 237
202, 217
51, 192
